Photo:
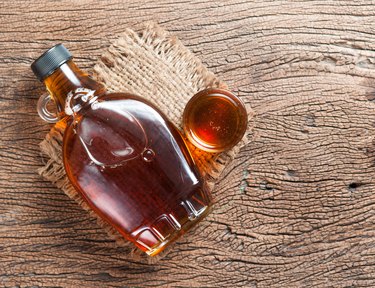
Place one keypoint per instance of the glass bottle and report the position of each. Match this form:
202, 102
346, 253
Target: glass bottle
125, 158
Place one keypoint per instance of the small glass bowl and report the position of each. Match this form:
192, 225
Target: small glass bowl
214, 120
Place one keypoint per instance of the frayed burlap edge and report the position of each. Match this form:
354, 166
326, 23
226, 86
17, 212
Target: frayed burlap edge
161, 69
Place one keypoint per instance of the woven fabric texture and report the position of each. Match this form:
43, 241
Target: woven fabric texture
158, 67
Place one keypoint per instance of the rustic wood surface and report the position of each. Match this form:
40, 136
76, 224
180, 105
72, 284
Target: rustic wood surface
297, 206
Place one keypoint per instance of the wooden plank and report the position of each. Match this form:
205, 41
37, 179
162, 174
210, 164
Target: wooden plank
295, 209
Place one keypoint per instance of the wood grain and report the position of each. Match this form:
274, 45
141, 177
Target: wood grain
295, 209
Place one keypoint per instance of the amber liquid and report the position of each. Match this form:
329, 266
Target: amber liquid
215, 120
132, 166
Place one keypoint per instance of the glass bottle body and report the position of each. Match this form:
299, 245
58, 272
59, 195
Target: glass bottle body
129, 163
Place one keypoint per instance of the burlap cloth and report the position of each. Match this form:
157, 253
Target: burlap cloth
158, 67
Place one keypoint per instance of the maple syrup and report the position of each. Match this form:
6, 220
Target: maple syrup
214, 120
125, 158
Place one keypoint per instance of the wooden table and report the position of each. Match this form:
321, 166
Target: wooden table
297, 206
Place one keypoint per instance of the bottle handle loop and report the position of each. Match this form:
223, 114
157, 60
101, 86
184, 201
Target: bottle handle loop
44, 113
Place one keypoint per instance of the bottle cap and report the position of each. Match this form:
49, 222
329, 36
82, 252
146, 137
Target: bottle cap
214, 120
50, 60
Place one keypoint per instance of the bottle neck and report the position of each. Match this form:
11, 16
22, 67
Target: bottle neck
66, 79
